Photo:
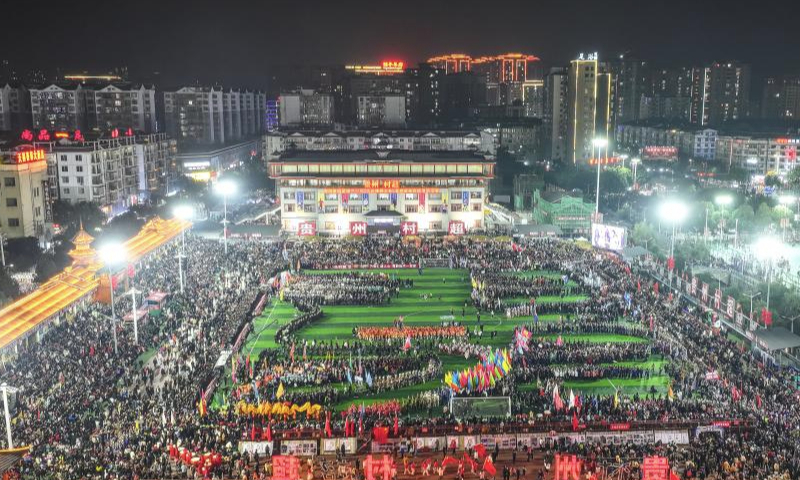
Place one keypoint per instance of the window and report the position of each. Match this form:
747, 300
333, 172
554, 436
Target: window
66, 191
288, 195
80, 180
412, 208
330, 226
79, 158
13, 222
63, 158
476, 207
353, 209
11, 202
64, 168
310, 208
64, 179
435, 226
36, 192
434, 197
383, 197
331, 197
288, 208
475, 195
37, 211
331, 209
436, 208
411, 196
79, 168
457, 207
383, 208
455, 197
81, 190
9, 182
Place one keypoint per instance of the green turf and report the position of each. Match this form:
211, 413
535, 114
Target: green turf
450, 291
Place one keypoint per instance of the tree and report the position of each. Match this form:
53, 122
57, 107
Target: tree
772, 180
763, 216
644, 235
9, 289
793, 178
45, 268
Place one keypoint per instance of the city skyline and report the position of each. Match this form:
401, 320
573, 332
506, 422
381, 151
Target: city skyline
240, 43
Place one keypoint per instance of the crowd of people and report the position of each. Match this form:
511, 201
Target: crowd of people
89, 411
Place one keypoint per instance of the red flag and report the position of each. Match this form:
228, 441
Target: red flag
489, 467
396, 426
574, 422
480, 449
347, 426
360, 426
638, 286
448, 460
673, 476
328, 431
655, 288
380, 434
269, 433
758, 400
253, 432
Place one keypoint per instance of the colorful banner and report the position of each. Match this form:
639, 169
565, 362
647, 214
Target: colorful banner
358, 229
307, 229
366, 266
331, 446
731, 307
456, 227
408, 228
717, 299
299, 447
278, 408
261, 448
694, 286
704, 293
482, 376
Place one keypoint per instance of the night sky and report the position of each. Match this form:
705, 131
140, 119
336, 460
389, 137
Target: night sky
238, 42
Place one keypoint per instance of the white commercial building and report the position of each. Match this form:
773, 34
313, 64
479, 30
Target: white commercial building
381, 191
276, 143
209, 115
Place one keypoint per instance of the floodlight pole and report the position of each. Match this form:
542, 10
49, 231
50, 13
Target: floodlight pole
5, 388
113, 311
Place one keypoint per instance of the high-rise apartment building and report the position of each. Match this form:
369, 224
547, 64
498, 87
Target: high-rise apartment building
589, 96
720, 93
122, 107
451, 63
630, 78
208, 115
306, 107
114, 173
505, 76
15, 107
59, 107
555, 112
381, 110
781, 98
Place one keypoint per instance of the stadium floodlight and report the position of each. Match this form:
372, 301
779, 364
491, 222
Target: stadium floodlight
675, 212
723, 200
600, 142
113, 255
225, 188
768, 249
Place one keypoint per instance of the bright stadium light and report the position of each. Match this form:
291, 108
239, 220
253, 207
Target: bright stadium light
723, 200
675, 212
787, 199
768, 249
225, 188
113, 255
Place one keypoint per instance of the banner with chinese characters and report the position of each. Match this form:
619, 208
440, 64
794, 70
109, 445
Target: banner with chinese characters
731, 307
717, 299
694, 286
332, 446
456, 227
358, 229
704, 293
307, 229
260, 448
408, 228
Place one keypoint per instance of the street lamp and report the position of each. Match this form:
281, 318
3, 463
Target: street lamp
598, 143
113, 254
184, 212
768, 249
723, 201
635, 162
6, 390
225, 188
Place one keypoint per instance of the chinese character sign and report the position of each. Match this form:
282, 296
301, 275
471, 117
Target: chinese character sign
358, 229
568, 467
456, 227
655, 468
285, 467
383, 469
704, 291
408, 228
306, 229
718, 299
731, 310
694, 285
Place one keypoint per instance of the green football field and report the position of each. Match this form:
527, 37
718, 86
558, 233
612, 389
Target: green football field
449, 292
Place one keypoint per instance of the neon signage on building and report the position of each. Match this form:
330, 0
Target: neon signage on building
29, 156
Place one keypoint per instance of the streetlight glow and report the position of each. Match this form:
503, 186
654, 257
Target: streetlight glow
723, 200
600, 142
225, 187
673, 211
113, 254
184, 212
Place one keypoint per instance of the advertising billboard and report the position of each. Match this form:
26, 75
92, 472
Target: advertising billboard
608, 237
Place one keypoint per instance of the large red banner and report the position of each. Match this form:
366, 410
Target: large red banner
307, 229
358, 229
456, 227
408, 228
